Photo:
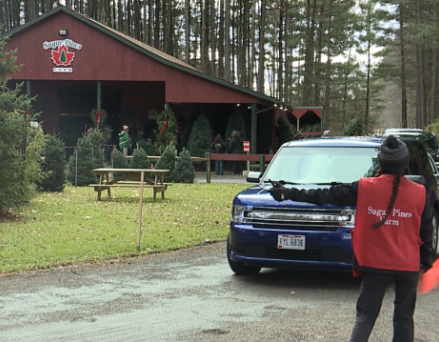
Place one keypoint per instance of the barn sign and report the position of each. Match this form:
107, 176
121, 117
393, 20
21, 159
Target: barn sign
61, 56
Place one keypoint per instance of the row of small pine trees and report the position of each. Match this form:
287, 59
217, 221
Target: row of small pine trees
88, 155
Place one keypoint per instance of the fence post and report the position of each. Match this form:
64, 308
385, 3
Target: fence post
207, 155
261, 163
76, 167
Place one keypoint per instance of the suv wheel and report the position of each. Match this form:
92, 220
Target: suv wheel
434, 223
239, 267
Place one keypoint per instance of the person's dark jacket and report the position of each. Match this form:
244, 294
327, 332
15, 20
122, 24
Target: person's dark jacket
235, 145
346, 195
218, 147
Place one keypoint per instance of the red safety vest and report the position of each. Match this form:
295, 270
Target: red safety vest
395, 244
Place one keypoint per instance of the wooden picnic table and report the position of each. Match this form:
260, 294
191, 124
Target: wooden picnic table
136, 179
107, 181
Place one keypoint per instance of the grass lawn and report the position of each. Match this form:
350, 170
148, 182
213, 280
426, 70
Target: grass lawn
73, 227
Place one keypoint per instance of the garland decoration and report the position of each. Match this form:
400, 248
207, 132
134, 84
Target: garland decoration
167, 134
98, 117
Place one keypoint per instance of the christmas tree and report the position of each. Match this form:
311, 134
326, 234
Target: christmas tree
139, 160
201, 137
167, 161
54, 165
20, 144
236, 123
184, 171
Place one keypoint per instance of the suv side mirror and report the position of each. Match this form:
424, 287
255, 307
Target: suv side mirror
254, 177
417, 179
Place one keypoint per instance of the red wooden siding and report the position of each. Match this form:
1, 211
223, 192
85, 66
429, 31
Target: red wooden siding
104, 58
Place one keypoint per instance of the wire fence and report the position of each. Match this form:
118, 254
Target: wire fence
107, 154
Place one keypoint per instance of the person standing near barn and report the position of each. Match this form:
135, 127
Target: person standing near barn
218, 146
235, 147
124, 140
392, 238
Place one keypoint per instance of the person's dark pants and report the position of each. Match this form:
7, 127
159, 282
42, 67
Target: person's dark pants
236, 168
218, 167
373, 288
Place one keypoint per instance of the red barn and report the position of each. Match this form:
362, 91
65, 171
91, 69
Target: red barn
74, 65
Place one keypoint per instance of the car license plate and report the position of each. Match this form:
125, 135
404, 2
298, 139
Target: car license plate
291, 241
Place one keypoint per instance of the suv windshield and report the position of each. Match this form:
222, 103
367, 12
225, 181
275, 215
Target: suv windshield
311, 165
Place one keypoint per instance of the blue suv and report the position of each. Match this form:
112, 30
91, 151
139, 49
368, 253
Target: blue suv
267, 233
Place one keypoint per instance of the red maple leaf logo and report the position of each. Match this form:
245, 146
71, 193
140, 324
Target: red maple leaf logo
62, 57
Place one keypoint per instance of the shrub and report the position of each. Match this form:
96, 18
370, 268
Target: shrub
119, 162
188, 127
354, 127
97, 139
148, 148
201, 137
80, 169
184, 171
236, 123
20, 144
139, 160
167, 161
285, 131
54, 165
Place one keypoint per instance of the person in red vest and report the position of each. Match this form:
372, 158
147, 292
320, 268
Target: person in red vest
392, 239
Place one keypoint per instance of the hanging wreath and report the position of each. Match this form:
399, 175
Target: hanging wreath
98, 117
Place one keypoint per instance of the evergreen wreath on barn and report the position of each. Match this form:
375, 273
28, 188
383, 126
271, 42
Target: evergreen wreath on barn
98, 117
167, 130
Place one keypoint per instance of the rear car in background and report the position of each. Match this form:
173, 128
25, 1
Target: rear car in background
266, 233
428, 138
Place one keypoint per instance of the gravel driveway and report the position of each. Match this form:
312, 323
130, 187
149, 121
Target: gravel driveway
189, 295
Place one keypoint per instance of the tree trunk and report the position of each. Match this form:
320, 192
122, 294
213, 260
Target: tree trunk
420, 79
227, 74
150, 21
327, 112
212, 38
221, 40
309, 54
169, 27
280, 69
366, 116
187, 31
157, 25
120, 19
345, 92
204, 36
252, 48
403, 72
435, 66
261, 66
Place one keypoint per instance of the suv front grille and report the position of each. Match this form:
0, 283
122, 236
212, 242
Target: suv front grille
303, 218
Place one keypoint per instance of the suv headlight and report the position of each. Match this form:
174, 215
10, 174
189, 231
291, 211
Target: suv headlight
347, 218
239, 213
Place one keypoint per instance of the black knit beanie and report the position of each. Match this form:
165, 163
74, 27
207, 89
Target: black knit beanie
393, 155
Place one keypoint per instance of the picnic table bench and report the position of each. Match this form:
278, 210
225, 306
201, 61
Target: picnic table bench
136, 179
